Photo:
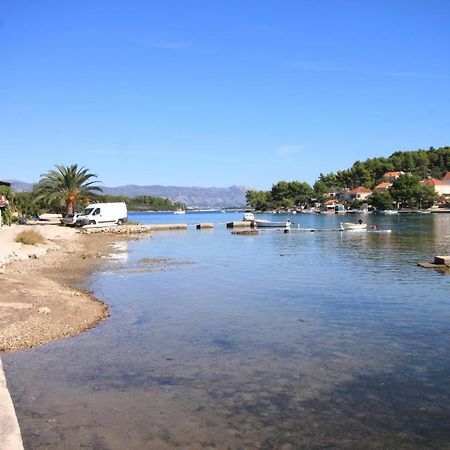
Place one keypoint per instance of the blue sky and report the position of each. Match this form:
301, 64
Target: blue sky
214, 93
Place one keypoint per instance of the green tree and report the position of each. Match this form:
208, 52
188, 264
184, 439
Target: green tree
259, 200
426, 195
67, 185
381, 200
6, 194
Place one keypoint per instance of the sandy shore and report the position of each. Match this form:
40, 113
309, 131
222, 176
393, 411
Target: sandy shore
38, 298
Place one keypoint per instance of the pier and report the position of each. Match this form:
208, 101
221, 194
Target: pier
240, 224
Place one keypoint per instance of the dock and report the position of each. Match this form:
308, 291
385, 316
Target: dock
440, 263
241, 224
167, 227
203, 226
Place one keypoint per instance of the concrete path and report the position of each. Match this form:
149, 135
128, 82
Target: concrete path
10, 438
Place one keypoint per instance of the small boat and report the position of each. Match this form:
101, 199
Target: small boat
350, 226
248, 217
388, 212
263, 223
180, 211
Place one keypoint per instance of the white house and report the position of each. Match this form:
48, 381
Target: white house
440, 186
359, 193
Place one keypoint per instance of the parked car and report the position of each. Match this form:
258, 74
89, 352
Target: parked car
70, 220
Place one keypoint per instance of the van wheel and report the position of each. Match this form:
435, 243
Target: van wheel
92, 222
120, 222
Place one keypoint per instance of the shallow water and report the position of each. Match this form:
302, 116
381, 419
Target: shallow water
299, 340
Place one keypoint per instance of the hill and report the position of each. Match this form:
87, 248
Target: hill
211, 197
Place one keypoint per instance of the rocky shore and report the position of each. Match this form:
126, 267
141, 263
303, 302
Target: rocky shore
39, 298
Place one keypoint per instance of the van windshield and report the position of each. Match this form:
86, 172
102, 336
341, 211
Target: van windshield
87, 211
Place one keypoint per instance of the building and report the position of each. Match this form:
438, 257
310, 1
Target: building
359, 193
383, 186
392, 176
446, 177
440, 186
329, 205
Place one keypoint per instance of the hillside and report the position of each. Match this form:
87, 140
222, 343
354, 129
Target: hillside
211, 197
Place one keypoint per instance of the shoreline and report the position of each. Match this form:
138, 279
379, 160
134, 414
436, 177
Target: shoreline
40, 298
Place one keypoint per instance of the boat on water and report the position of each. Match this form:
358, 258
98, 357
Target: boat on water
350, 226
248, 217
263, 223
388, 212
180, 211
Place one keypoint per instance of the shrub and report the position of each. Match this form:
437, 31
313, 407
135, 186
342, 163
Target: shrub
30, 237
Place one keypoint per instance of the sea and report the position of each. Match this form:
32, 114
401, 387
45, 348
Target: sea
302, 340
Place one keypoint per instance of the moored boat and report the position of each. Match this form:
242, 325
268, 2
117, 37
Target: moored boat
263, 223
388, 212
350, 226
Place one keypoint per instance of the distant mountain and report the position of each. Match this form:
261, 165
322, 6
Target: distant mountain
210, 197
20, 186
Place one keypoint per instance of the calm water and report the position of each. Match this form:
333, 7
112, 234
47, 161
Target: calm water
274, 341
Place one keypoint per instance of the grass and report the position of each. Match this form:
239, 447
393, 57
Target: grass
30, 237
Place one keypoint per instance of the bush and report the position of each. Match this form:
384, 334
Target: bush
30, 237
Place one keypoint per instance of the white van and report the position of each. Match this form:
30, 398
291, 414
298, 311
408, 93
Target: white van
104, 214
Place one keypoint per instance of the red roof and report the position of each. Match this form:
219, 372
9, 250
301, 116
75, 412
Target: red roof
434, 182
383, 185
447, 176
329, 201
360, 190
392, 174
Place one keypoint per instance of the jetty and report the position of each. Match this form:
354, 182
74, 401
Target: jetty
203, 226
241, 224
440, 263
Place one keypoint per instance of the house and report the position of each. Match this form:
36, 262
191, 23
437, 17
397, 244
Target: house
383, 186
329, 205
392, 176
446, 178
440, 186
359, 193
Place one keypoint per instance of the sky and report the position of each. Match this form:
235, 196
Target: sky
215, 93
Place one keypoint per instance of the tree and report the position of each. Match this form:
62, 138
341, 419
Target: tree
259, 200
404, 190
381, 200
5, 212
67, 185
426, 196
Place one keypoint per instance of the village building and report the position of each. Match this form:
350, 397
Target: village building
329, 205
359, 193
440, 186
383, 186
446, 178
392, 176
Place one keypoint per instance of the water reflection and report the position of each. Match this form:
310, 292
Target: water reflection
300, 340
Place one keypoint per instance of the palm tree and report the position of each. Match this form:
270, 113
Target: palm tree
66, 185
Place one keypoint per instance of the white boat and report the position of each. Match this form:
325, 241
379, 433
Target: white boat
248, 217
350, 226
263, 223
180, 211
388, 212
